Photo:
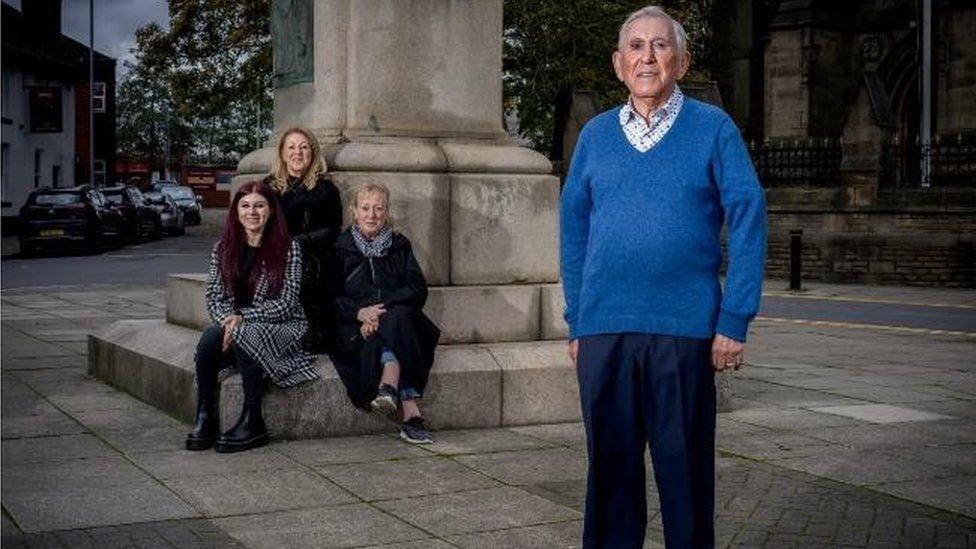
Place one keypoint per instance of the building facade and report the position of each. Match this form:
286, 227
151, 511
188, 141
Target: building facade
828, 94
45, 106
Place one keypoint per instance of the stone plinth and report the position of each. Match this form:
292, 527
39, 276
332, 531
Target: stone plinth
470, 386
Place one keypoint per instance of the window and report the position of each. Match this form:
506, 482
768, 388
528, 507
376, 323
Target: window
98, 96
37, 167
99, 173
55, 175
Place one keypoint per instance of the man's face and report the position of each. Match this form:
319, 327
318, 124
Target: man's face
647, 61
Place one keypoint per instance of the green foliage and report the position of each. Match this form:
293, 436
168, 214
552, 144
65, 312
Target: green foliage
566, 46
214, 68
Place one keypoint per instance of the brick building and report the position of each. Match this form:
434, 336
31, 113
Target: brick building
828, 94
45, 103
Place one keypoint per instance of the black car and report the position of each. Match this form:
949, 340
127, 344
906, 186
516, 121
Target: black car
186, 200
142, 221
68, 218
170, 213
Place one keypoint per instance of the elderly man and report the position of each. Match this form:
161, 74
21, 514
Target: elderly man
650, 186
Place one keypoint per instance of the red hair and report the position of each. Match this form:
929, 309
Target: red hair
275, 243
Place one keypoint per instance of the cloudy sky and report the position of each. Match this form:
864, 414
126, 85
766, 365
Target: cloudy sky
116, 22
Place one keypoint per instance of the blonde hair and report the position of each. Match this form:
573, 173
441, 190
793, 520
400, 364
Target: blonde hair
317, 167
370, 188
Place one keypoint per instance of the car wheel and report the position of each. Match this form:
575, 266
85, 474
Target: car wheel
27, 250
91, 242
157, 232
181, 230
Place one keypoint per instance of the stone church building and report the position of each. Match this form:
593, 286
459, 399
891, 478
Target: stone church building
828, 93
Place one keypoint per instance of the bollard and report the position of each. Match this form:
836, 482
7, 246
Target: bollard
796, 259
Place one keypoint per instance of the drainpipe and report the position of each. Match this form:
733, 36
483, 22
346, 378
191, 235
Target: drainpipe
925, 125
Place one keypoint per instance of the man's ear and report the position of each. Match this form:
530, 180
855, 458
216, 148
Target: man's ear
685, 65
615, 61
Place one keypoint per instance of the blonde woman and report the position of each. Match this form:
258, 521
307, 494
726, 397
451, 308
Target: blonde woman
313, 214
386, 343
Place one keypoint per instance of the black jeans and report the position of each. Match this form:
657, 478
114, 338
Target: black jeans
210, 358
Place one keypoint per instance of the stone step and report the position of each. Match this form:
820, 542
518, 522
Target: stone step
471, 386
465, 314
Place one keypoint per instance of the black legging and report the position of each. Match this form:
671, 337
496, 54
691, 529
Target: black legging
209, 360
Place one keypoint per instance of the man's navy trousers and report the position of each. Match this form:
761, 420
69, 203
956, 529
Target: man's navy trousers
639, 389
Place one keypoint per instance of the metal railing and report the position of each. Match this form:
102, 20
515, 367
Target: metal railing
799, 162
953, 162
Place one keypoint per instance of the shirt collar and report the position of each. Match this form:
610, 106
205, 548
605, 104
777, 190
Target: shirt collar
669, 108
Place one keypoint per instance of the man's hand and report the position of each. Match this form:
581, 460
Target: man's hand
573, 350
727, 353
230, 323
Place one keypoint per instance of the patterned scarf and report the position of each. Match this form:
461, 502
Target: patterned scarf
378, 246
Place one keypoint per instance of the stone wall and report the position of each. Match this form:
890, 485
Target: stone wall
907, 248
957, 75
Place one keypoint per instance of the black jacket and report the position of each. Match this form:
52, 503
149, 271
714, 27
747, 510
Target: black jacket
314, 217
394, 279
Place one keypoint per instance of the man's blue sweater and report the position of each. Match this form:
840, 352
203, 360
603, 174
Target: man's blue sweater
640, 248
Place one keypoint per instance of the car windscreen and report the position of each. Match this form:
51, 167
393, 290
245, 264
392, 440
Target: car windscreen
155, 198
114, 198
57, 199
179, 193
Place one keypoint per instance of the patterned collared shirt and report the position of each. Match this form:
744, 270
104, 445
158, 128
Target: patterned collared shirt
642, 135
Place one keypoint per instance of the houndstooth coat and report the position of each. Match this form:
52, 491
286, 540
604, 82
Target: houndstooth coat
273, 328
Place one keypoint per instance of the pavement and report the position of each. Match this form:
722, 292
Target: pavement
843, 434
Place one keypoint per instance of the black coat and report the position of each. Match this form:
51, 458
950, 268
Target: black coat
314, 217
314, 220
396, 281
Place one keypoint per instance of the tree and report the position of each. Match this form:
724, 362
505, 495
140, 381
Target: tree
552, 49
215, 64
146, 124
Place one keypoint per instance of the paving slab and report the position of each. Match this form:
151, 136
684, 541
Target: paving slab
150, 439
862, 468
881, 413
572, 435
365, 448
957, 493
481, 441
54, 448
530, 466
773, 445
257, 492
402, 478
45, 363
561, 534
782, 418
184, 464
66, 508
477, 511
162, 534
39, 425
337, 526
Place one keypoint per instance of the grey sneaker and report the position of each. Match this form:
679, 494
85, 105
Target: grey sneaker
414, 431
387, 400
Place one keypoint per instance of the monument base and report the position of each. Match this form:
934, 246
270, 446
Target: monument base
471, 386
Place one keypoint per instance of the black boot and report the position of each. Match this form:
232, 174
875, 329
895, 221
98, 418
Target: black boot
205, 429
249, 432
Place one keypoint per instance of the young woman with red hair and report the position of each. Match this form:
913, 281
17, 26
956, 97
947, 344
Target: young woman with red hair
252, 297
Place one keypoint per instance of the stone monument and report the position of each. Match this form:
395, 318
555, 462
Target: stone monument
406, 93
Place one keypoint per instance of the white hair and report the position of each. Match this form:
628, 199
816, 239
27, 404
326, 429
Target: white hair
680, 36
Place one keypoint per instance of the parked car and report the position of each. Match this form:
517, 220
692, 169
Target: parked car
67, 218
142, 221
170, 214
158, 185
187, 201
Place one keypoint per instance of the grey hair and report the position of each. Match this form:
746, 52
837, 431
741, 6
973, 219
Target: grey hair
680, 36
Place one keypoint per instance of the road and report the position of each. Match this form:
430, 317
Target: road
149, 263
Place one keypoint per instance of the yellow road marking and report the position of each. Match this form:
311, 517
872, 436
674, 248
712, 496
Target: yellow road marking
862, 326
866, 300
